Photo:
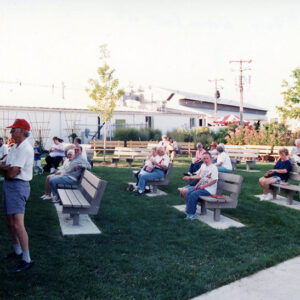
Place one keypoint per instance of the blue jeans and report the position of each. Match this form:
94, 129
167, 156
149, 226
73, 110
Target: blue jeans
62, 179
192, 200
195, 167
223, 170
143, 177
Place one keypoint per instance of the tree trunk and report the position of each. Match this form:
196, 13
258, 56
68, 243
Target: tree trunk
104, 138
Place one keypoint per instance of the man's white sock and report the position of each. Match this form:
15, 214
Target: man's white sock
18, 249
26, 256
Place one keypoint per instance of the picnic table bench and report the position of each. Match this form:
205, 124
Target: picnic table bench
289, 189
98, 146
226, 183
249, 156
83, 199
264, 152
186, 147
129, 154
137, 144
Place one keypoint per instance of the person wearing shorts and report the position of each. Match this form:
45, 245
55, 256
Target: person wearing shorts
278, 175
17, 170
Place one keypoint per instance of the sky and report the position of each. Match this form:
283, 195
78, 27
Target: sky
177, 44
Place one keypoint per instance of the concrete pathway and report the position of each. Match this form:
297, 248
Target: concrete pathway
280, 282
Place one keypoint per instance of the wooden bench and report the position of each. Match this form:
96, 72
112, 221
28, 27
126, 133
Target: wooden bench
137, 144
249, 156
290, 189
85, 199
129, 154
98, 146
163, 181
188, 148
226, 183
264, 152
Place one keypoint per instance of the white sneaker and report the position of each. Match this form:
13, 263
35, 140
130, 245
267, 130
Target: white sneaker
269, 197
264, 197
42, 197
47, 197
52, 170
55, 199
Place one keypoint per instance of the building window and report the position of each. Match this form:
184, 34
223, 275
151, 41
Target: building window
148, 121
192, 122
120, 123
201, 122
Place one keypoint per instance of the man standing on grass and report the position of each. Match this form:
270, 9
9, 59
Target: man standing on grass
17, 170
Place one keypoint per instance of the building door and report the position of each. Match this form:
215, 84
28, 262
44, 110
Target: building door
149, 121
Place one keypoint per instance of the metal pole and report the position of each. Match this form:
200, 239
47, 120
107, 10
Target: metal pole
241, 96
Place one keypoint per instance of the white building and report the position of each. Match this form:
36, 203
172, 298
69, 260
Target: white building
51, 115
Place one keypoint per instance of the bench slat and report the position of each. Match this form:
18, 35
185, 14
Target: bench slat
84, 203
91, 178
73, 199
88, 187
64, 198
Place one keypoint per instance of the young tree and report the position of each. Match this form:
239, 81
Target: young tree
104, 91
291, 108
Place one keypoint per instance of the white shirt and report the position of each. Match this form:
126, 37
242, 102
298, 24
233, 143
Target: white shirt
3, 150
83, 153
22, 157
225, 160
162, 160
208, 174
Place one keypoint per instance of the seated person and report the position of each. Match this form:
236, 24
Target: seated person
171, 149
207, 178
77, 142
3, 149
56, 155
295, 153
37, 163
196, 164
72, 173
223, 161
62, 170
279, 174
213, 151
164, 142
148, 165
160, 163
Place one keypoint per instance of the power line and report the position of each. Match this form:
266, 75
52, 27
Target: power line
241, 85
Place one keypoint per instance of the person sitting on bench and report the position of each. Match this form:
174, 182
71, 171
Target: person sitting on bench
197, 161
207, 178
72, 173
56, 155
223, 161
160, 163
295, 153
279, 174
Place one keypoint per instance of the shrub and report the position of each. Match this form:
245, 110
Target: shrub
133, 134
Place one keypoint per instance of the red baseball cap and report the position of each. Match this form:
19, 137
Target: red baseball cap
20, 123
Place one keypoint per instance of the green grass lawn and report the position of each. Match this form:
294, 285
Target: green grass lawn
146, 249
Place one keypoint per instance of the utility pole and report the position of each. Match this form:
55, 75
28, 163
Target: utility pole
63, 89
217, 95
241, 85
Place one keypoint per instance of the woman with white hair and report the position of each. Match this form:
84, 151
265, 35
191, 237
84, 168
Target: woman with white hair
197, 161
62, 169
223, 161
295, 153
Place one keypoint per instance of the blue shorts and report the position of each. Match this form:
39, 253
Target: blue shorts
278, 180
15, 194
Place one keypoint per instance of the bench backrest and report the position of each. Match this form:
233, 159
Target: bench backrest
230, 183
167, 175
92, 188
295, 173
131, 152
137, 144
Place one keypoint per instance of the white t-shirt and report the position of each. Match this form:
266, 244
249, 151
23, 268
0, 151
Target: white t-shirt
225, 160
162, 160
22, 157
3, 150
208, 174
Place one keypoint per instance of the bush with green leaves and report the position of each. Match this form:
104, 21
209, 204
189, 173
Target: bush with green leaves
133, 134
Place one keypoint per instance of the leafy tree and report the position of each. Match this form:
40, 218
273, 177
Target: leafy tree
104, 91
291, 108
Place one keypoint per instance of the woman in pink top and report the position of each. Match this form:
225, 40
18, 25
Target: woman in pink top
196, 164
